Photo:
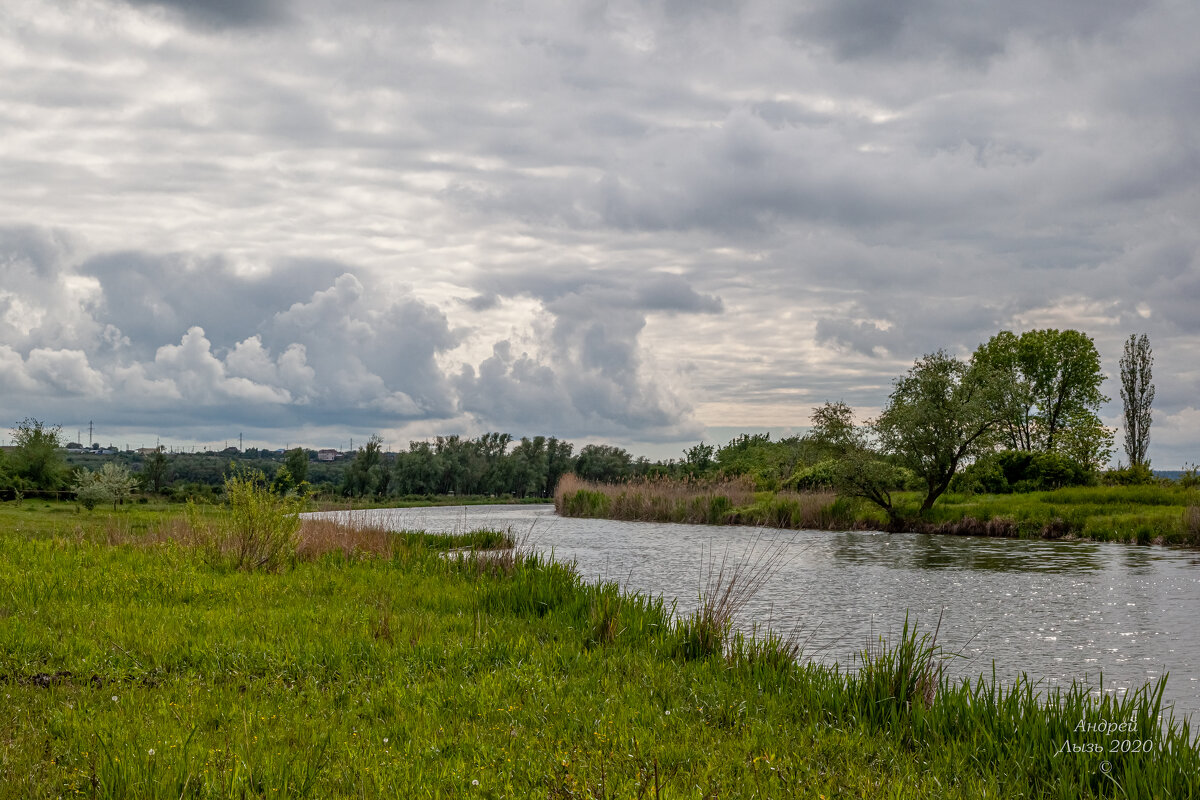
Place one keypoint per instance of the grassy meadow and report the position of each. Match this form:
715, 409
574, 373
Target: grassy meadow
1142, 514
372, 664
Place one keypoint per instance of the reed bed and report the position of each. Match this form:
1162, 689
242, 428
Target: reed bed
732, 501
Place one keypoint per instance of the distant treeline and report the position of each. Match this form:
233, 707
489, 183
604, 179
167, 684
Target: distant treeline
494, 464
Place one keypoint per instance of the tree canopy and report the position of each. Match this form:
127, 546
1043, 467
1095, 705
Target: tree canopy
940, 413
37, 462
1048, 392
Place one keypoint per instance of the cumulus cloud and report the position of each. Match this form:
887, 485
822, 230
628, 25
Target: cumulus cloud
587, 375
64, 371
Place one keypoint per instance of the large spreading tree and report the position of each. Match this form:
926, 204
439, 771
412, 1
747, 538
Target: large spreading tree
941, 413
1049, 393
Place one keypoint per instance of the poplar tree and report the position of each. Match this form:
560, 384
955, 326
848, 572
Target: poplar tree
1137, 394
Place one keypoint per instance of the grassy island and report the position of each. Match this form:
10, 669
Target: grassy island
137, 662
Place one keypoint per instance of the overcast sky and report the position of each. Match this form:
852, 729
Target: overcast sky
643, 223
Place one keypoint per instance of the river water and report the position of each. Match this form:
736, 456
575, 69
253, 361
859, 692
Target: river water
1057, 611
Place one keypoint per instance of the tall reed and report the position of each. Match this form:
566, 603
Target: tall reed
726, 501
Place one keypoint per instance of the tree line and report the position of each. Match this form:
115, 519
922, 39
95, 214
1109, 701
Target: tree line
1021, 413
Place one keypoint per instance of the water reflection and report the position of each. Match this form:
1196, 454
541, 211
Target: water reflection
1055, 610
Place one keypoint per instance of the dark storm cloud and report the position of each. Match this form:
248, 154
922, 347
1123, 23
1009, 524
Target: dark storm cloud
224, 13
587, 377
154, 298
972, 32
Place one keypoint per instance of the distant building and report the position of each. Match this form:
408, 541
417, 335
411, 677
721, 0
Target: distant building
328, 455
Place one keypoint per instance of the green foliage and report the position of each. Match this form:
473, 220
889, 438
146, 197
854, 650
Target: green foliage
37, 462
603, 463
858, 470
821, 475
1007, 471
1139, 474
939, 415
1048, 392
257, 531
156, 471
296, 463
1137, 397
698, 460
364, 474
770, 464
1189, 477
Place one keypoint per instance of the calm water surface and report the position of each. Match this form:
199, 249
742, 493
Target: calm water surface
1057, 611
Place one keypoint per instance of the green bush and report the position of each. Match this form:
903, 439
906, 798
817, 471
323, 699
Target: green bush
258, 530
1190, 477
1137, 475
1021, 471
817, 476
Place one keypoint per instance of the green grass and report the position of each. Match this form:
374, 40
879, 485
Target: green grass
1141, 514
136, 670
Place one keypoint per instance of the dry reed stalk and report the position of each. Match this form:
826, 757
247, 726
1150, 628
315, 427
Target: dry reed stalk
317, 537
501, 560
1191, 522
659, 499
320, 537
728, 591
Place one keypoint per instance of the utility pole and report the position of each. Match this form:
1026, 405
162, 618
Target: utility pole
89, 433
239, 443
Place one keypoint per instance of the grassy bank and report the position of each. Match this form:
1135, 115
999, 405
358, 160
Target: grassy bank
376, 665
1142, 514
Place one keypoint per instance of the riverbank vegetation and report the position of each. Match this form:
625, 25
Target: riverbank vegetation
1143, 514
372, 664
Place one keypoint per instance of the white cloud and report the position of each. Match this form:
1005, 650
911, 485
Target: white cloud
65, 371
202, 378
14, 377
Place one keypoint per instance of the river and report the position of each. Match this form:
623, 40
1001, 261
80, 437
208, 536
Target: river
1057, 611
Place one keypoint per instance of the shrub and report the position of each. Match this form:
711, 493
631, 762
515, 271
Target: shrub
1020, 471
818, 476
258, 530
89, 492
1189, 478
1138, 474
